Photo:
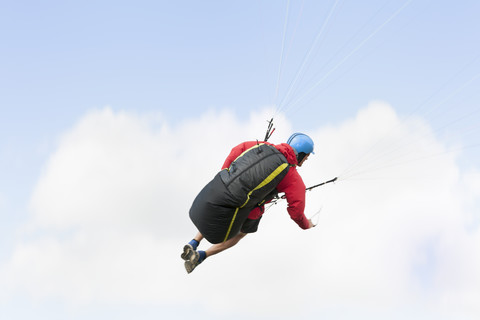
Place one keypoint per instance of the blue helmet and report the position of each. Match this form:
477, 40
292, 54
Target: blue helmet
301, 143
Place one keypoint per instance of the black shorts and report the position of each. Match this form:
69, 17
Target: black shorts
250, 225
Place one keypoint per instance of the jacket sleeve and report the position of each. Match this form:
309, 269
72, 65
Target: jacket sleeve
294, 188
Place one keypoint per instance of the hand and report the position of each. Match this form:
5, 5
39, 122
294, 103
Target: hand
310, 224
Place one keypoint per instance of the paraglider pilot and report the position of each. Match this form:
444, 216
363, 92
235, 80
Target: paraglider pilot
232, 204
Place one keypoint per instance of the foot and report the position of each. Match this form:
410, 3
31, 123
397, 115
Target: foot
192, 262
188, 252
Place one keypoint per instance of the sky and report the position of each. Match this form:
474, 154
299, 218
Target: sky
114, 115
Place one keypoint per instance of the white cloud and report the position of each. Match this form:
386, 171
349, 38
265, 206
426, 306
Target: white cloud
110, 216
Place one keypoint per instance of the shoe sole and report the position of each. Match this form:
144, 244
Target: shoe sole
189, 266
193, 257
187, 252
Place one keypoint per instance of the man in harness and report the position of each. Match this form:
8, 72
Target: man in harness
232, 204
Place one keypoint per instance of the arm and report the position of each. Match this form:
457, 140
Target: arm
294, 188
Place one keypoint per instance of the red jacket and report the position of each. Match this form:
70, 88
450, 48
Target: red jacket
292, 184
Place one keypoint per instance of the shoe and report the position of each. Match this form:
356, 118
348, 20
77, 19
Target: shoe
188, 252
193, 262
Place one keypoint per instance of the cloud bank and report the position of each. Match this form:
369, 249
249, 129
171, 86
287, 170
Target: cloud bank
397, 235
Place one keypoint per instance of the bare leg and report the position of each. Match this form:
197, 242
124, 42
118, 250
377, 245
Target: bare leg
198, 237
219, 247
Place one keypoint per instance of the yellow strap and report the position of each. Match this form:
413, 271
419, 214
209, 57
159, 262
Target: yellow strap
270, 178
231, 224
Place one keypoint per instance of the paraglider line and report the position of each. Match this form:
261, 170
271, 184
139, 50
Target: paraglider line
351, 53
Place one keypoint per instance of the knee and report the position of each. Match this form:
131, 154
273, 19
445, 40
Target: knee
241, 235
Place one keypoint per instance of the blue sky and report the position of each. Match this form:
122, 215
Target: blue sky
194, 70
